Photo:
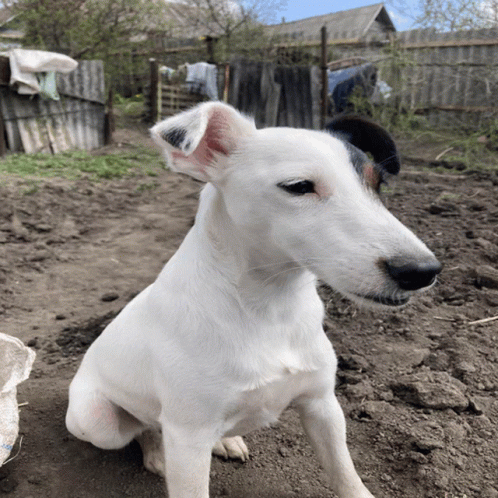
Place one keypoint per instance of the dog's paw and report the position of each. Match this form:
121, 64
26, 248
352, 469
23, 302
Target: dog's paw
152, 448
231, 447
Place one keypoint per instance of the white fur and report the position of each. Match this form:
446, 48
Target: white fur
231, 333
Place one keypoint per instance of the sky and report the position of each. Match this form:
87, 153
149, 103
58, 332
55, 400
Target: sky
299, 9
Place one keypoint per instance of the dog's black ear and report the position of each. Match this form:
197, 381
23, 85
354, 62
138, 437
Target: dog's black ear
368, 137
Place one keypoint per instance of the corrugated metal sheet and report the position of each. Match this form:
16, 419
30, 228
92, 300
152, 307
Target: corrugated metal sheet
76, 121
85, 82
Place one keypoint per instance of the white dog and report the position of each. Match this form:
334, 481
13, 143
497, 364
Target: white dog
231, 333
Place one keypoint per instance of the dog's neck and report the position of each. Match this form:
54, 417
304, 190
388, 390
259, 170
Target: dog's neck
254, 269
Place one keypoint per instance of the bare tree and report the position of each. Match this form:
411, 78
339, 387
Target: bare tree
450, 15
232, 20
84, 28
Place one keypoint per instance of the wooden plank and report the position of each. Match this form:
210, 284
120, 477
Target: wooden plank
307, 103
418, 76
4, 70
3, 144
177, 103
451, 43
254, 97
282, 108
299, 44
345, 63
154, 91
270, 92
191, 48
288, 86
186, 97
110, 123
457, 108
325, 79
317, 43
315, 95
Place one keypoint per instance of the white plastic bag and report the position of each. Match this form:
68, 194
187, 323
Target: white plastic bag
16, 361
24, 64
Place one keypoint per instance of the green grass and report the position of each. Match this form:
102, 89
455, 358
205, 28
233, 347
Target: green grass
147, 186
451, 147
131, 106
77, 164
128, 110
31, 187
461, 143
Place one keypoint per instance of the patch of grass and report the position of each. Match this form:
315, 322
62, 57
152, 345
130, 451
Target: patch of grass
128, 111
474, 154
132, 106
77, 164
475, 149
460, 151
455, 150
449, 196
147, 186
31, 187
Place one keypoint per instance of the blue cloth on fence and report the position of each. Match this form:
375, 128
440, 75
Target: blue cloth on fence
343, 81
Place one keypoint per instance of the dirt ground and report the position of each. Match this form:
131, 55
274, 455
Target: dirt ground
419, 386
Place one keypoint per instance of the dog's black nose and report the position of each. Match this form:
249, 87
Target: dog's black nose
413, 275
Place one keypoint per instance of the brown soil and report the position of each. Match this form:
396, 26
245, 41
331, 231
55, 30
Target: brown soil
419, 386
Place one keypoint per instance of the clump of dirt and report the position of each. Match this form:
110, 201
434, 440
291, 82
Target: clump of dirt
419, 385
75, 340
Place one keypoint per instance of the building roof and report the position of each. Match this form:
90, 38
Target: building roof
353, 23
6, 15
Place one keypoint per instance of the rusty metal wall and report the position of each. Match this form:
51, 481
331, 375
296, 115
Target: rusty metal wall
76, 121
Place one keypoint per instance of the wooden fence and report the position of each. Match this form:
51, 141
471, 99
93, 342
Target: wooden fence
175, 99
451, 78
276, 95
273, 95
166, 99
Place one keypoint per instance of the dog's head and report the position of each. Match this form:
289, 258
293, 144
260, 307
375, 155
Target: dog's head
305, 197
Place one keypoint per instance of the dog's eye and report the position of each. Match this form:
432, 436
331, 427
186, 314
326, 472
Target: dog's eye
298, 188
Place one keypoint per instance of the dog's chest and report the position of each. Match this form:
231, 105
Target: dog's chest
262, 406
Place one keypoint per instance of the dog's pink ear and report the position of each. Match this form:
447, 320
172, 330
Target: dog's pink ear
195, 141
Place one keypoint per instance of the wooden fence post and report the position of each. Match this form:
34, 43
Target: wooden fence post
226, 83
155, 104
110, 123
325, 82
210, 41
3, 144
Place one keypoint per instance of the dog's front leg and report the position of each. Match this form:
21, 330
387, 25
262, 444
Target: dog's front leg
323, 422
188, 460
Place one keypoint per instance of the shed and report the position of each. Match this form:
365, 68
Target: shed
33, 124
371, 22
